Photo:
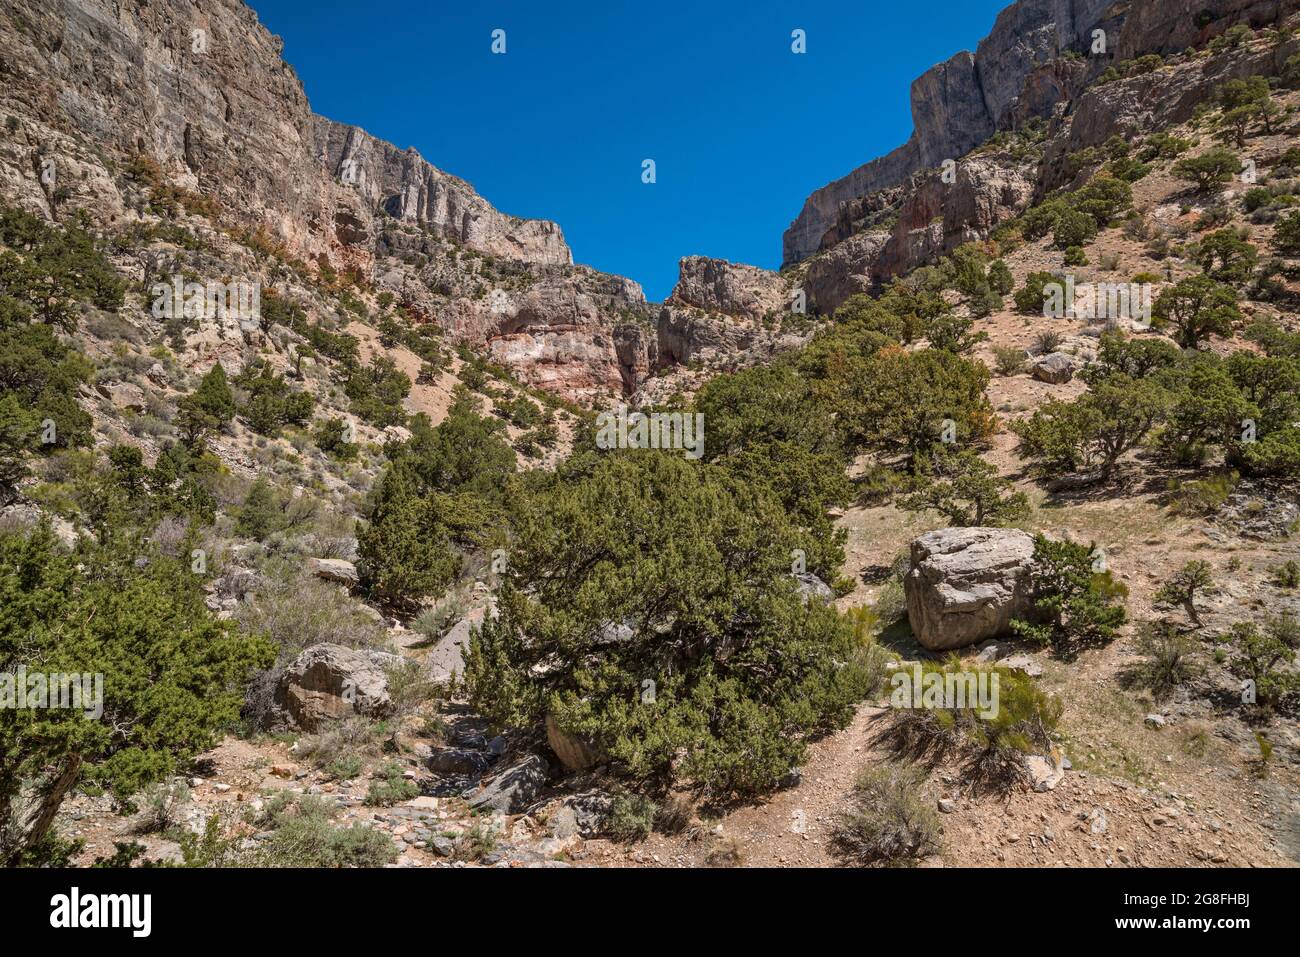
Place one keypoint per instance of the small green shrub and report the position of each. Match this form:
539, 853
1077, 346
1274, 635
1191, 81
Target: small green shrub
1047, 341
161, 806
1263, 657
1009, 360
1168, 660
476, 843
1287, 575
1189, 581
631, 817
389, 787
303, 835
890, 822
345, 767
992, 744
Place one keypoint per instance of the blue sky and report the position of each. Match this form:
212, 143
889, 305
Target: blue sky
740, 128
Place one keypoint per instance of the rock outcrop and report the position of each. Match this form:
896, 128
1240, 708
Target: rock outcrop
336, 570
966, 584
411, 190
512, 789
733, 289
886, 234
720, 315
1054, 368
574, 753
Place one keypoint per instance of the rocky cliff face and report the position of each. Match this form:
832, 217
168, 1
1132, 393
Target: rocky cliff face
733, 289
1017, 72
898, 212
720, 315
410, 190
198, 87
887, 233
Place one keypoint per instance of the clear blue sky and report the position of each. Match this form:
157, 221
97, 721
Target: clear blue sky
741, 129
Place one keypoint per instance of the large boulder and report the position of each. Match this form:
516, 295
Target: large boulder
327, 682
334, 570
1054, 368
588, 810
574, 753
125, 395
966, 584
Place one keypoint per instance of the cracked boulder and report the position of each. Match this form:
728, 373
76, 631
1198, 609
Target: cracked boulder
965, 585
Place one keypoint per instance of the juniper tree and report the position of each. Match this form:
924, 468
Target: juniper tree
405, 549
1210, 171
1197, 307
173, 676
1260, 655
1286, 234
1094, 431
650, 609
966, 490
1075, 604
208, 408
1225, 256
1189, 581
18, 433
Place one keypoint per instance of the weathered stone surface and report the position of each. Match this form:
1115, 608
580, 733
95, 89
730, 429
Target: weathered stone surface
1043, 773
929, 218
636, 347
590, 810
810, 587
1055, 368
92, 84
966, 584
574, 753
329, 682
447, 658
411, 190
733, 289
512, 789
1017, 73
1022, 662
334, 570
124, 395
847, 268
462, 761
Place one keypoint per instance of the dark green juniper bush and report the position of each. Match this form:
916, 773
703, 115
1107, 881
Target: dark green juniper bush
1076, 603
641, 567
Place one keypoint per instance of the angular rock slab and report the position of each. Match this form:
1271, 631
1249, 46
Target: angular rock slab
514, 788
1054, 368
